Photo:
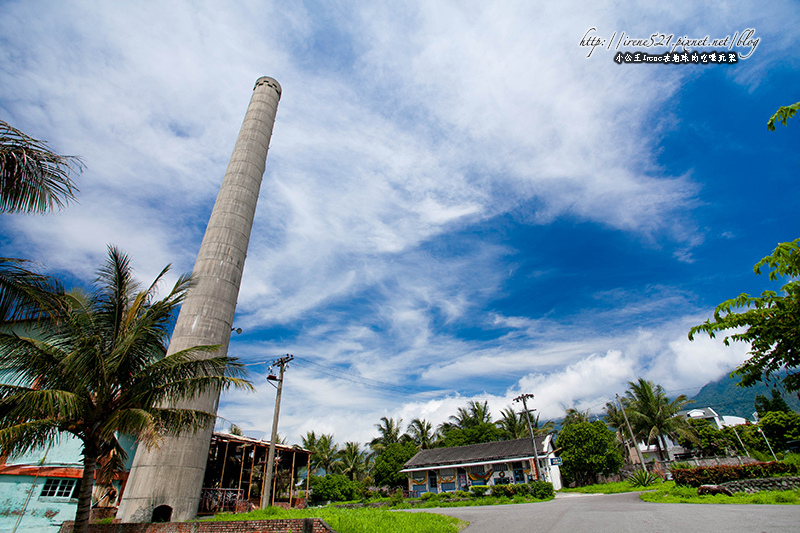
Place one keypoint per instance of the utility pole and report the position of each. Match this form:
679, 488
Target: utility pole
523, 398
633, 438
266, 491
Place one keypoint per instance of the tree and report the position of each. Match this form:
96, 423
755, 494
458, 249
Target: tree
710, 441
334, 487
652, 414
421, 433
389, 430
575, 416
512, 424
783, 114
588, 450
763, 405
770, 323
484, 432
33, 179
103, 371
324, 451
352, 461
390, 461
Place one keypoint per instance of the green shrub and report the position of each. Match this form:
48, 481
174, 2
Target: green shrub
503, 491
397, 497
541, 490
462, 494
640, 478
714, 475
521, 489
479, 490
429, 496
334, 487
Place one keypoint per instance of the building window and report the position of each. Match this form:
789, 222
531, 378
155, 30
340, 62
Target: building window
499, 467
476, 470
60, 488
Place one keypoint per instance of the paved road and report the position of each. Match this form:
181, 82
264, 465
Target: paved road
624, 513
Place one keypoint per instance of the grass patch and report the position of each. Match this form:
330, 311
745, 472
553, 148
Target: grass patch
359, 520
671, 493
611, 488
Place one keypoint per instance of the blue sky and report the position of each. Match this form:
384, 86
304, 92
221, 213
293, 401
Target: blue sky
459, 204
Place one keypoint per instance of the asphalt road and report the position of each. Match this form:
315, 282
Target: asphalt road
624, 513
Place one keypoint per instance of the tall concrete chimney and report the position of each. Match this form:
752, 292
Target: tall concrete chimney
170, 478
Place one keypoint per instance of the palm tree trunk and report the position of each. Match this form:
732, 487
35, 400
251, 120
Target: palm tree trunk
85, 493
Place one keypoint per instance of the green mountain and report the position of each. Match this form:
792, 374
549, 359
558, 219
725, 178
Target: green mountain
726, 398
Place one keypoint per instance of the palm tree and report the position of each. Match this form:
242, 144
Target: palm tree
352, 461
574, 416
421, 433
325, 452
102, 371
652, 415
512, 424
389, 430
33, 179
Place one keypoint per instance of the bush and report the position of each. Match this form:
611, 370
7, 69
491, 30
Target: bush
714, 475
397, 497
429, 496
521, 489
479, 490
503, 490
334, 487
541, 490
462, 494
640, 478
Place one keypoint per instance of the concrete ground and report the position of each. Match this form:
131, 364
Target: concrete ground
624, 513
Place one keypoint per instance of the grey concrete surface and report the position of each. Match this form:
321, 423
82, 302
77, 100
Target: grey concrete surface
624, 513
173, 474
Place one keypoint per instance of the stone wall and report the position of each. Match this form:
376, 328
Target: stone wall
294, 525
762, 484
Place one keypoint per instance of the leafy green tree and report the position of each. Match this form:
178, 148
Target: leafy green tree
335, 488
709, 440
770, 323
588, 450
763, 405
652, 415
102, 371
780, 428
390, 461
421, 433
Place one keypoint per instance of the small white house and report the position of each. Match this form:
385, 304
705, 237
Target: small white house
491, 463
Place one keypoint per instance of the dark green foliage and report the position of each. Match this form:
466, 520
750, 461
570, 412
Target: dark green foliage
640, 478
714, 475
481, 432
588, 450
710, 441
541, 490
503, 490
728, 396
780, 428
397, 497
390, 461
334, 487
770, 323
429, 496
764, 405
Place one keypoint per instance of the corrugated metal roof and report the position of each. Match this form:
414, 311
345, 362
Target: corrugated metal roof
476, 454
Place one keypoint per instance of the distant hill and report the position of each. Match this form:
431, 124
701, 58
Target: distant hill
726, 398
